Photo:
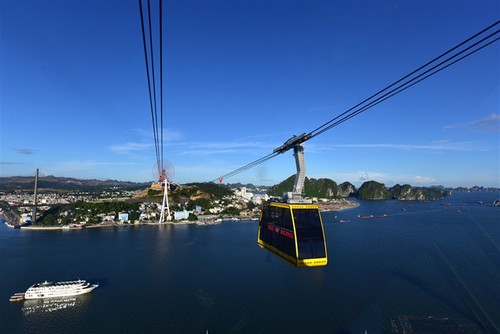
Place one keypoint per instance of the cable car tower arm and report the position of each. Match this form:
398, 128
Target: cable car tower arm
300, 163
296, 142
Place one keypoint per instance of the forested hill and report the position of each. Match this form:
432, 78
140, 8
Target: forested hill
369, 190
321, 188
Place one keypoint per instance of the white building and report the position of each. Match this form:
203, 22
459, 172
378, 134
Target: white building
259, 198
123, 217
243, 193
182, 215
215, 210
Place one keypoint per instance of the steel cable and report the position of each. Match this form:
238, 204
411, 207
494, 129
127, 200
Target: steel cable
375, 99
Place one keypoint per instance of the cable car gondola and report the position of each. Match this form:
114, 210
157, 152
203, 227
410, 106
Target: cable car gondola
292, 228
293, 231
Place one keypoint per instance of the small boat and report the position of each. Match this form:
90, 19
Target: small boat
17, 297
344, 221
383, 216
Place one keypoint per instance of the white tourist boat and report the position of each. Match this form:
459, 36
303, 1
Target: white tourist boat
59, 289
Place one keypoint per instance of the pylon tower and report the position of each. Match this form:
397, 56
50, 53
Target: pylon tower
164, 204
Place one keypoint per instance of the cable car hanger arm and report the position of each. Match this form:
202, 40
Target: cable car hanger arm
292, 142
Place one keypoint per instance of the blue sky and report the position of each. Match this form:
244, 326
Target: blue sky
240, 78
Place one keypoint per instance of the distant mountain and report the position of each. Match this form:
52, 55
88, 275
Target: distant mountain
248, 186
477, 188
64, 183
372, 190
347, 189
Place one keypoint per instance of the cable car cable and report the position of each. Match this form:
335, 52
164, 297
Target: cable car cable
161, 83
151, 53
148, 75
409, 83
247, 166
354, 111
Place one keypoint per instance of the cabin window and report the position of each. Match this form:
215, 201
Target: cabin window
276, 229
310, 239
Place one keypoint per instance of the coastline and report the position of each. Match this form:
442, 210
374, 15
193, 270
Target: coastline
72, 228
339, 205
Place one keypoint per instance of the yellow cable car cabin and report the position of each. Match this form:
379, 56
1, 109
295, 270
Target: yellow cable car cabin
294, 231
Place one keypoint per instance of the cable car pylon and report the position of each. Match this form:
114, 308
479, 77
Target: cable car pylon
164, 204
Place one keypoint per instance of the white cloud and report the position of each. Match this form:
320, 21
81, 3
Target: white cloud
62, 168
145, 142
424, 180
490, 123
131, 147
210, 148
358, 178
438, 145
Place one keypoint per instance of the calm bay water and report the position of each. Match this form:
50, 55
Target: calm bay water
424, 259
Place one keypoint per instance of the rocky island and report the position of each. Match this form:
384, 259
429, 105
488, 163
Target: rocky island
372, 190
369, 190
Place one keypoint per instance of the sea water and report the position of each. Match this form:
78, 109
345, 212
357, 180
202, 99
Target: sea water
429, 259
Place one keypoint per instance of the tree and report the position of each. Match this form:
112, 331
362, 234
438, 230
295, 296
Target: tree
232, 211
133, 216
202, 202
251, 205
49, 220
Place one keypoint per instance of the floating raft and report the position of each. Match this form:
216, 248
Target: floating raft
17, 297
